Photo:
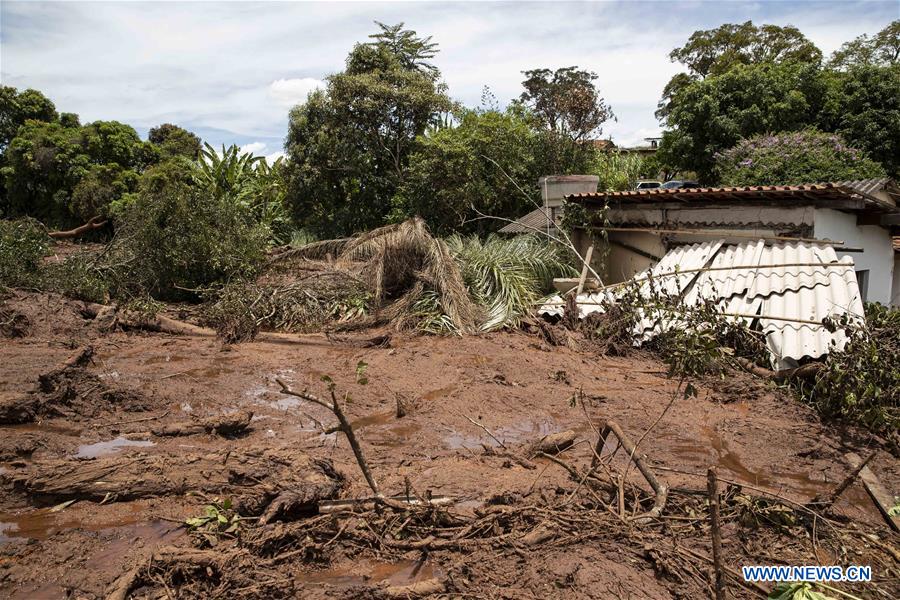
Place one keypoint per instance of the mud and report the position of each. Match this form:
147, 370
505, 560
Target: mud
132, 489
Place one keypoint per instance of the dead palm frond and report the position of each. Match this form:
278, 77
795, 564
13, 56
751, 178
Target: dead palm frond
508, 275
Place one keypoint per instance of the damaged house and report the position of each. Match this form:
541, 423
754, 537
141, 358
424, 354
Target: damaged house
782, 258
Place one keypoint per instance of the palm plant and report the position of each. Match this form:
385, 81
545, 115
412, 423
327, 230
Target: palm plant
508, 275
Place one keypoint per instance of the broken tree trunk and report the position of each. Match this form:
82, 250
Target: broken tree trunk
806, 372
224, 425
95, 223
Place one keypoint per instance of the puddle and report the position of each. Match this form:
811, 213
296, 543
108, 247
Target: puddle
109, 447
523, 431
400, 573
801, 483
42, 523
167, 358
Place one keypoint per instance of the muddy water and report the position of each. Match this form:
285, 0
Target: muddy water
522, 431
42, 523
777, 477
110, 447
400, 573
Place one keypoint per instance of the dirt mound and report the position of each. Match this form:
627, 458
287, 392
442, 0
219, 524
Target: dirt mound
13, 324
71, 391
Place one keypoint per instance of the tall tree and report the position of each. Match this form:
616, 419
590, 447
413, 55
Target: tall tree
173, 140
17, 107
569, 109
882, 49
713, 52
348, 146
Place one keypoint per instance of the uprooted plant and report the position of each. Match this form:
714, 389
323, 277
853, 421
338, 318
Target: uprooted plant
861, 383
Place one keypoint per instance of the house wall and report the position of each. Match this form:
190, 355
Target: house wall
895, 293
877, 257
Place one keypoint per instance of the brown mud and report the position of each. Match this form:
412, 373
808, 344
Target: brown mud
96, 435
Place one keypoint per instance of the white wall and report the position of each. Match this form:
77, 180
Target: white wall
877, 256
895, 294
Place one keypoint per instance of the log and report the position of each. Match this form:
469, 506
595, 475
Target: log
807, 372
95, 223
224, 425
554, 443
132, 476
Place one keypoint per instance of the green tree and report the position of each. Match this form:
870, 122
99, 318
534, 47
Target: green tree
173, 140
713, 114
476, 164
864, 107
45, 163
18, 107
569, 110
349, 145
807, 156
714, 52
882, 49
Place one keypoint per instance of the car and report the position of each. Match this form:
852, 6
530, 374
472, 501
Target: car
647, 184
677, 184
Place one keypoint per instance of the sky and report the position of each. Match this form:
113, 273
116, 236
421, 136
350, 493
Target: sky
231, 71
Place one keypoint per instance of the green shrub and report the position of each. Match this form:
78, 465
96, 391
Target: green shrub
861, 383
174, 240
79, 277
23, 245
808, 156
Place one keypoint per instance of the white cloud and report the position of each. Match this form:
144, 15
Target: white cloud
289, 92
233, 69
255, 148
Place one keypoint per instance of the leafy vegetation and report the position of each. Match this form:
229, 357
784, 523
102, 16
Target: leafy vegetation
744, 81
507, 276
794, 158
23, 245
480, 163
861, 383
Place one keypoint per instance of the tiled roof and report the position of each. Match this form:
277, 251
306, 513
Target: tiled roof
798, 194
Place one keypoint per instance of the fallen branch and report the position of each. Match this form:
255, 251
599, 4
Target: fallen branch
807, 372
661, 490
95, 223
824, 502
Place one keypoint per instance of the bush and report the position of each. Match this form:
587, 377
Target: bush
173, 240
23, 246
793, 158
861, 383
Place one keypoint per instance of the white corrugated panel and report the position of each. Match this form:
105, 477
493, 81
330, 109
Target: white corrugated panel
751, 282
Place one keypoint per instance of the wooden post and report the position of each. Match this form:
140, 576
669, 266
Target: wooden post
584, 270
712, 488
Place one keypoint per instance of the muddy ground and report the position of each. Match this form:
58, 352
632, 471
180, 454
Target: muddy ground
88, 437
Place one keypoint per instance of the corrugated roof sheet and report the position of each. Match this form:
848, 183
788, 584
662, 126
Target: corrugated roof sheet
896, 243
796, 284
538, 219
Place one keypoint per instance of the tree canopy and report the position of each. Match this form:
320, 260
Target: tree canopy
569, 110
349, 145
744, 80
